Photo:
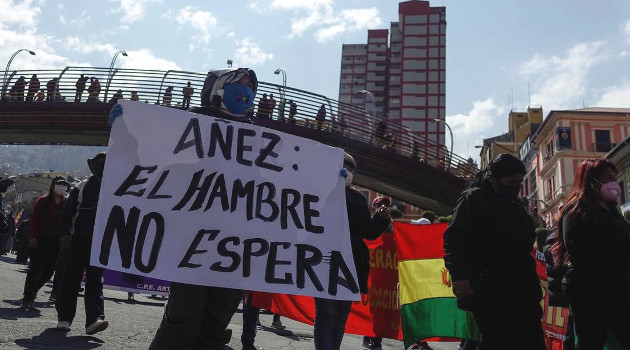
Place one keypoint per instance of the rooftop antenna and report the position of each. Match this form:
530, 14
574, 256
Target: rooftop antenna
529, 96
512, 98
583, 105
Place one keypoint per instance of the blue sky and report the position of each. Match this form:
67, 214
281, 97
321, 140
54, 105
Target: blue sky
571, 52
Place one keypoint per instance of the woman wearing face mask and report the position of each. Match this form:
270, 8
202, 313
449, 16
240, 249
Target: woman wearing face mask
43, 240
595, 247
487, 250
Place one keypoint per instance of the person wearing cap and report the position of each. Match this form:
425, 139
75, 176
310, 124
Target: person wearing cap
487, 251
43, 239
76, 227
197, 317
331, 315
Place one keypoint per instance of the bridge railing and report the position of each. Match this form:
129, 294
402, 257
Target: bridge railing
167, 88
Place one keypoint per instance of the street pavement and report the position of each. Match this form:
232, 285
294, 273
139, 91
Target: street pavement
131, 325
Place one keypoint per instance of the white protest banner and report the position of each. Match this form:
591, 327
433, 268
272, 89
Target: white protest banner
195, 199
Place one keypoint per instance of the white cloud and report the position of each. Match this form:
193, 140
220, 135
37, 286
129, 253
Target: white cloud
348, 20
17, 14
616, 96
560, 82
480, 122
62, 19
250, 54
319, 16
625, 29
145, 59
74, 43
624, 53
82, 19
132, 10
203, 22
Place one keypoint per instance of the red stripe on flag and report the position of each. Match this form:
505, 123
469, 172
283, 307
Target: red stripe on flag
419, 241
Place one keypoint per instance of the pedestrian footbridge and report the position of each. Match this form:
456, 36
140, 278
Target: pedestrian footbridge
392, 161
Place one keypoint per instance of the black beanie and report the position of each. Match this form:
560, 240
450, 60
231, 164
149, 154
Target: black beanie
505, 164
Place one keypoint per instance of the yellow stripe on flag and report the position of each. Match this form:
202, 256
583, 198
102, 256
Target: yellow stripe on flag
422, 279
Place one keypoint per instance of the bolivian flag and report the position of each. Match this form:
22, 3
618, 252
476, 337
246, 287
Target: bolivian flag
428, 307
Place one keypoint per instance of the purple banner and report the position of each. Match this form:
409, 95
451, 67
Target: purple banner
135, 284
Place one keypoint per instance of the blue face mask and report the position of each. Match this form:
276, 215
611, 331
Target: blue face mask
238, 98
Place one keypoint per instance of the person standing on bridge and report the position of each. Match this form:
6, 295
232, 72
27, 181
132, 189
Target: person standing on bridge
80, 85
33, 87
76, 227
187, 92
94, 90
321, 116
487, 251
331, 315
43, 239
168, 96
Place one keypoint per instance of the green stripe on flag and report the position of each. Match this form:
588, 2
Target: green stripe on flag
436, 317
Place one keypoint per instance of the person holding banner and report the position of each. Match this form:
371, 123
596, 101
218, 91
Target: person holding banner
594, 246
331, 315
197, 317
43, 239
76, 229
487, 250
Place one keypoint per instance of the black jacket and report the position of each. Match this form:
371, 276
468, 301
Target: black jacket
362, 226
79, 212
598, 246
489, 242
554, 274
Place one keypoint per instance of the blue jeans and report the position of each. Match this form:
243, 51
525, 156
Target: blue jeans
330, 322
250, 316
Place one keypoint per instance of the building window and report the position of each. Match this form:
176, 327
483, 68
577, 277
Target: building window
602, 141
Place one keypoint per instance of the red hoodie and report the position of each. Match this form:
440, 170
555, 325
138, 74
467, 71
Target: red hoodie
45, 217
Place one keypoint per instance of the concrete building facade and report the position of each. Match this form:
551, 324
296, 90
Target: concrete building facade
404, 70
563, 141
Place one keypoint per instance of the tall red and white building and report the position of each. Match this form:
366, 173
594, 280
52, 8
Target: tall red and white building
404, 69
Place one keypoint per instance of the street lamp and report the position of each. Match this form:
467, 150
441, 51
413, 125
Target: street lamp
6, 71
366, 92
284, 81
110, 75
437, 120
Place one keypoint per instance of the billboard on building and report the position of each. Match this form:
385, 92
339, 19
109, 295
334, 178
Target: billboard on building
564, 137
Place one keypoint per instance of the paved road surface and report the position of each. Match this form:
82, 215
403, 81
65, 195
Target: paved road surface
131, 325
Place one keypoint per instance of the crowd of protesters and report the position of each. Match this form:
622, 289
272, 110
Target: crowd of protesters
487, 245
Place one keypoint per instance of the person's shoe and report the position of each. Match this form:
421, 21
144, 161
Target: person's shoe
258, 322
366, 345
27, 305
52, 298
277, 324
96, 326
63, 325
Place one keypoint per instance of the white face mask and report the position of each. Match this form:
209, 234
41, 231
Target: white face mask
60, 189
349, 178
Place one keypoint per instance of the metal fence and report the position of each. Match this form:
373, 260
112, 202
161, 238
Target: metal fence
167, 88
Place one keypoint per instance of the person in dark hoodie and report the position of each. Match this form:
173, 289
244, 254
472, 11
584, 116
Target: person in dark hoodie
43, 239
197, 317
487, 248
76, 227
331, 315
